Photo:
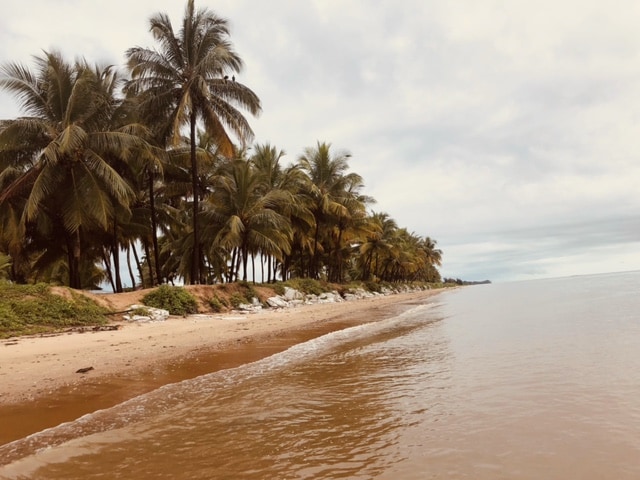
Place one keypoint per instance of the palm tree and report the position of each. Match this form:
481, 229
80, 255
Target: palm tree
247, 217
266, 160
62, 150
376, 243
186, 80
329, 188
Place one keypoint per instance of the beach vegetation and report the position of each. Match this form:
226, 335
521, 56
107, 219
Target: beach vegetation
217, 305
141, 311
176, 300
236, 299
33, 309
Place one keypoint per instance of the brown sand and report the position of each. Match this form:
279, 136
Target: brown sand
40, 386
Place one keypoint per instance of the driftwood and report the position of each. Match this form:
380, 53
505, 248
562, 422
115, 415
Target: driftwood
96, 328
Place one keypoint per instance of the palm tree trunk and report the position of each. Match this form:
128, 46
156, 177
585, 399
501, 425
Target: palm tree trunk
339, 256
74, 260
154, 227
245, 262
133, 278
145, 245
115, 251
262, 262
313, 266
195, 263
232, 264
237, 269
107, 264
138, 265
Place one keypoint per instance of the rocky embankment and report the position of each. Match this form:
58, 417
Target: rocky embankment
291, 298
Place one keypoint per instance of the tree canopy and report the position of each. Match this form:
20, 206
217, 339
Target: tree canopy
153, 166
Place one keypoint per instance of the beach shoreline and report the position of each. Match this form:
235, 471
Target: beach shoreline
42, 384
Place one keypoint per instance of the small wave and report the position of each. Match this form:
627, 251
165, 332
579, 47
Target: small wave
164, 398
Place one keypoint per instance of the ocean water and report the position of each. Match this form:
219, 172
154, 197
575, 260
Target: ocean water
523, 380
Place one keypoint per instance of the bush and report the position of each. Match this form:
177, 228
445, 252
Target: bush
216, 304
308, 285
237, 299
373, 287
249, 290
31, 309
176, 300
278, 288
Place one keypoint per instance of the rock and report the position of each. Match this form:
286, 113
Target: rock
153, 314
292, 294
249, 307
277, 302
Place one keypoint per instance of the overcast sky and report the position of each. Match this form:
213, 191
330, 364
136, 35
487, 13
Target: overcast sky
508, 131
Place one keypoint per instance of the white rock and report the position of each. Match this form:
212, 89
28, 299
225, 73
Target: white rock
155, 314
277, 302
292, 294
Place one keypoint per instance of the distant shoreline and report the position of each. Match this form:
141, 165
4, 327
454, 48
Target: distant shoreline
41, 387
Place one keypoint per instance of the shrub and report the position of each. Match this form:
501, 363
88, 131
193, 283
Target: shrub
278, 288
216, 304
141, 311
236, 299
30, 309
176, 300
373, 287
308, 285
249, 290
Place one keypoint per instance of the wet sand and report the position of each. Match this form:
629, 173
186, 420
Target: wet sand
40, 386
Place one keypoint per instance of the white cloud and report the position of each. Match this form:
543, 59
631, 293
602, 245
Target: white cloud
471, 122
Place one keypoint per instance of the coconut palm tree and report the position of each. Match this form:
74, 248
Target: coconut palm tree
266, 160
62, 150
186, 80
246, 217
329, 188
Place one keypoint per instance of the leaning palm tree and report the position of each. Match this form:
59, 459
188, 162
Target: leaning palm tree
185, 81
62, 150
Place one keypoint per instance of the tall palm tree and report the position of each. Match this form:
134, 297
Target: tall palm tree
376, 243
185, 81
247, 217
62, 149
266, 160
328, 189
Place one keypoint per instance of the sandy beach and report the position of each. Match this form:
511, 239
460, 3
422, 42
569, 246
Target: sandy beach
41, 386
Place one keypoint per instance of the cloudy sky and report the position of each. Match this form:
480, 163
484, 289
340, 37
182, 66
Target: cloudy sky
508, 131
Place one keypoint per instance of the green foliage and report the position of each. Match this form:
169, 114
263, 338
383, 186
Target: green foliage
31, 309
249, 290
373, 287
216, 304
308, 285
278, 288
237, 298
176, 300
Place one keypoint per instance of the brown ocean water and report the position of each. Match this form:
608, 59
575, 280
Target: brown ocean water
523, 380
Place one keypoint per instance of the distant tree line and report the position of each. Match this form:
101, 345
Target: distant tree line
457, 281
154, 167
